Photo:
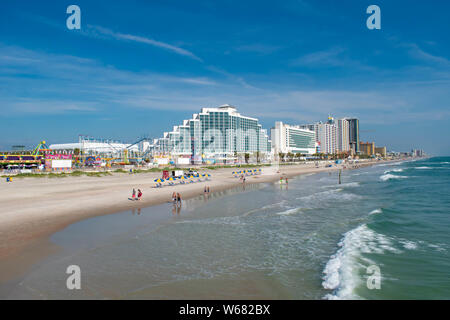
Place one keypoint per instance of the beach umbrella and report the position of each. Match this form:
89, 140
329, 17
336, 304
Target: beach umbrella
159, 180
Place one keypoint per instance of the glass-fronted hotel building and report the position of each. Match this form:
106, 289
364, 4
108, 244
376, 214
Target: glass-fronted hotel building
220, 133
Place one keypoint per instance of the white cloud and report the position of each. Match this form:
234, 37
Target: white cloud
95, 30
420, 54
37, 82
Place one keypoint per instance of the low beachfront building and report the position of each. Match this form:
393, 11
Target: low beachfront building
216, 134
381, 151
367, 148
292, 139
94, 147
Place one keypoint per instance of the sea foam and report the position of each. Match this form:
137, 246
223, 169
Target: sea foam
394, 170
341, 271
388, 176
376, 211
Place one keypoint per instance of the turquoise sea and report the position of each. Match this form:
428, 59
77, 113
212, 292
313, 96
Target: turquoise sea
314, 239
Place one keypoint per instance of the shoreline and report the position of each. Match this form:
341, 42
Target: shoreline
27, 224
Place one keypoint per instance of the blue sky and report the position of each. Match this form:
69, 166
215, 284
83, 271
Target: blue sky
140, 67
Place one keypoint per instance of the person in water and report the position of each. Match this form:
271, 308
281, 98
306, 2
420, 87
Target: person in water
174, 197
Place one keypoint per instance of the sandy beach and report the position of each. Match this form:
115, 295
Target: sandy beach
35, 208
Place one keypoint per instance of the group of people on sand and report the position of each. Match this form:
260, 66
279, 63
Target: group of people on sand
176, 198
138, 196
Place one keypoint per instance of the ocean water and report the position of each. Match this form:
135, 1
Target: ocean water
313, 239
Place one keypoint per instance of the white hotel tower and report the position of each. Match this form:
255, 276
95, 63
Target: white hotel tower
286, 138
219, 133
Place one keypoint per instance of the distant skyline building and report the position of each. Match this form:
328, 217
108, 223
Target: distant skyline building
292, 139
417, 153
381, 151
219, 133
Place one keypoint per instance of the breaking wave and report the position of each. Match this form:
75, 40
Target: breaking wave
388, 176
341, 271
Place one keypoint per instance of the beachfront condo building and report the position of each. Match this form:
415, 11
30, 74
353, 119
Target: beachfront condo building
354, 134
292, 139
381, 151
327, 137
367, 148
343, 135
333, 136
220, 133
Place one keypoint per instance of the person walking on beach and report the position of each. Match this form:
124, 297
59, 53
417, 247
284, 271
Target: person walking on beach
139, 194
134, 194
179, 199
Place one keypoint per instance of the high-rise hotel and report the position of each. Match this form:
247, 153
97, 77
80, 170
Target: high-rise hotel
215, 133
335, 136
354, 135
292, 139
